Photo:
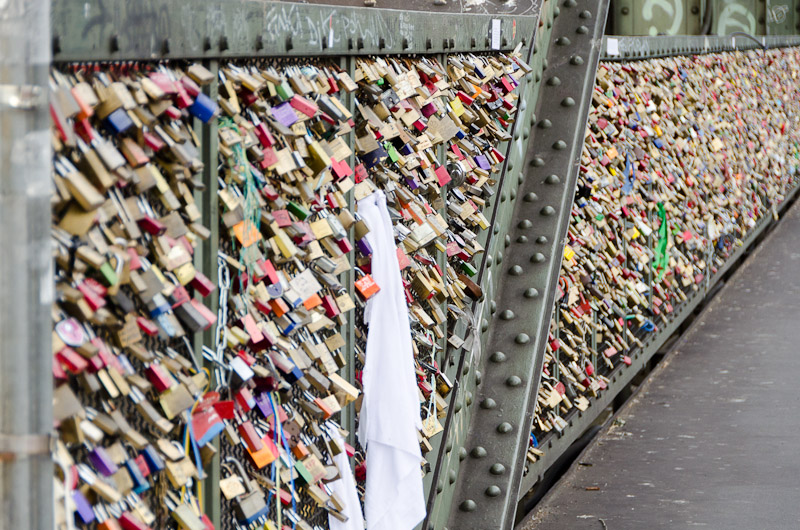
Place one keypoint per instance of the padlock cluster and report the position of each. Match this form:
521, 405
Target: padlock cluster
683, 156
134, 428
290, 154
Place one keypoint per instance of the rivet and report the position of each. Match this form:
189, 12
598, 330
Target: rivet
449, 446
508, 315
497, 469
552, 179
582, 30
530, 197
585, 14
525, 223
570, 3
465, 370
513, 381
563, 41
537, 161
484, 325
522, 338
576, 60
503, 197
492, 307
556, 11
541, 240
513, 192
498, 357
538, 258
451, 476
554, 81
522, 239
507, 240
468, 506
531, 293
516, 270
488, 404
548, 211
504, 428
478, 452
492, 491
478, 377
520, 178
489, 258
560, 145
468, 398
499, 258
462, 454
440, 486
538, 76
457, 406
567, 102
496, 229
545, 124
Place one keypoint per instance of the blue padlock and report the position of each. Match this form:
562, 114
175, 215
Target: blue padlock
204, 108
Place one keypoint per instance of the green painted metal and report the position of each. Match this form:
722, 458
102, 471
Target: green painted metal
106, 30
657, 17
648, 47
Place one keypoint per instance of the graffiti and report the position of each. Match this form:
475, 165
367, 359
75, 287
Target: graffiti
673, 10
735, 17
777, 14
633, 46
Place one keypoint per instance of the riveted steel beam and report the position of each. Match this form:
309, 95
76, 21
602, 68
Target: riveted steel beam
626, 48
112, 30
488, 479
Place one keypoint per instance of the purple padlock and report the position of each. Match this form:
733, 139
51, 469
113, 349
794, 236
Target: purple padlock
263, 404
82, 507
100, 460
364, 247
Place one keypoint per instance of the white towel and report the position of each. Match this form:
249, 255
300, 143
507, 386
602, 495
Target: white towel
390, 415
345, 489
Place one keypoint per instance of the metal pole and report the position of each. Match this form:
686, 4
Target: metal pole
26, 276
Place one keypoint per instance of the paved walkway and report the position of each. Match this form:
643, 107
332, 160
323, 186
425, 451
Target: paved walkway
713, 438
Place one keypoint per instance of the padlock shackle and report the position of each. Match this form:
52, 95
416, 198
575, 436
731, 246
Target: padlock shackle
240, 469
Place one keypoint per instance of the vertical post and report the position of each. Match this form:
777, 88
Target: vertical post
349, 329
206, 260
26, 274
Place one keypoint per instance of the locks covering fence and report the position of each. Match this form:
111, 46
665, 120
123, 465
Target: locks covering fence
684, 159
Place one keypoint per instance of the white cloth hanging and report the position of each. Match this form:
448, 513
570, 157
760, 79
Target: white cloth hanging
345, 489
390, 415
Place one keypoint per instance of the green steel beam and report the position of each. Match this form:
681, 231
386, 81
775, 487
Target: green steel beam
112, 30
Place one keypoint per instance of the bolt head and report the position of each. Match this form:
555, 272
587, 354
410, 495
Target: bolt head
538, 258
531, 293
522, 239
541, 240
552, 179
513, 381
492, 491
516, 270
504, 428
548, 211
488, 404
530, 197
498, 357
507, 315
567, 102
478, 452
522, 338
468, 506
497, 469
560, 145
525, 223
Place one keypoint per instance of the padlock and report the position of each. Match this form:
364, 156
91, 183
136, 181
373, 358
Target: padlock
366, 286
251, 506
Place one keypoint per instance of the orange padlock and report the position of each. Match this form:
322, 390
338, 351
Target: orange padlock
366, 286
